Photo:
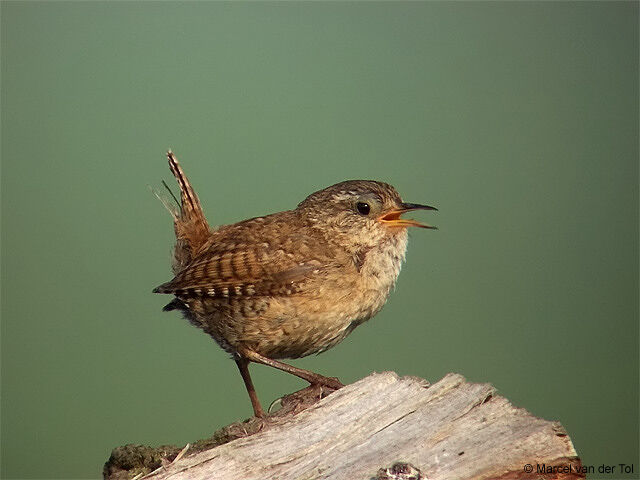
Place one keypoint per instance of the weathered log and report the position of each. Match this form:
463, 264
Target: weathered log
382, 426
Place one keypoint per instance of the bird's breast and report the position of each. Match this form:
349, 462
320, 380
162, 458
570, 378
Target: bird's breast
378, 274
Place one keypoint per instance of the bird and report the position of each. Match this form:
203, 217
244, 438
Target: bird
289, 284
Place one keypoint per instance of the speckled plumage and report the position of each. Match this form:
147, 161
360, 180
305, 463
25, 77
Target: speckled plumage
292, 283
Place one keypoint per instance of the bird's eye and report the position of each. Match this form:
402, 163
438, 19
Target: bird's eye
363, 208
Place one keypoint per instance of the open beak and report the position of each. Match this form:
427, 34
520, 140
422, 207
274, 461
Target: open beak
392, 218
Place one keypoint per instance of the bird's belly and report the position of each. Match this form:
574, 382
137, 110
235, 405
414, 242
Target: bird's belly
286, 327
299, 326
316, 320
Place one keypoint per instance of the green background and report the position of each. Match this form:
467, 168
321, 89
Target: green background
518, 120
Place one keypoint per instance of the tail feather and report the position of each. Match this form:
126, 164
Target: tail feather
174, 210
190, 225
191, 208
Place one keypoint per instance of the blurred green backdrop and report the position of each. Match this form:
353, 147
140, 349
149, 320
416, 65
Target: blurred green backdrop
518, 120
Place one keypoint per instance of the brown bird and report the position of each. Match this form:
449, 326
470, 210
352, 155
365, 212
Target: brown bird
293, 283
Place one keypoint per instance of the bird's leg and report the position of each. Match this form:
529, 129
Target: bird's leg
311, 377
243, 366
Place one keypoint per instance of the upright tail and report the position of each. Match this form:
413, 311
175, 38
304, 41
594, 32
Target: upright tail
190, 225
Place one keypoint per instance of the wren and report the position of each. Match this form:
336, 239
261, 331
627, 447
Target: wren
293, 283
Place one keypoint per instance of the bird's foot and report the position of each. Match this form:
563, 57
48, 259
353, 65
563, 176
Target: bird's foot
329, 382
297, 401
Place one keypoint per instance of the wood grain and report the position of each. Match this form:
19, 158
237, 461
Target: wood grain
450, 430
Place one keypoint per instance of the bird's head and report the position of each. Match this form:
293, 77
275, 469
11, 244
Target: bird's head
365, 210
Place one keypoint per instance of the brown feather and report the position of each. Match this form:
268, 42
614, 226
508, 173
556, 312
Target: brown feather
190, 226
268, 268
